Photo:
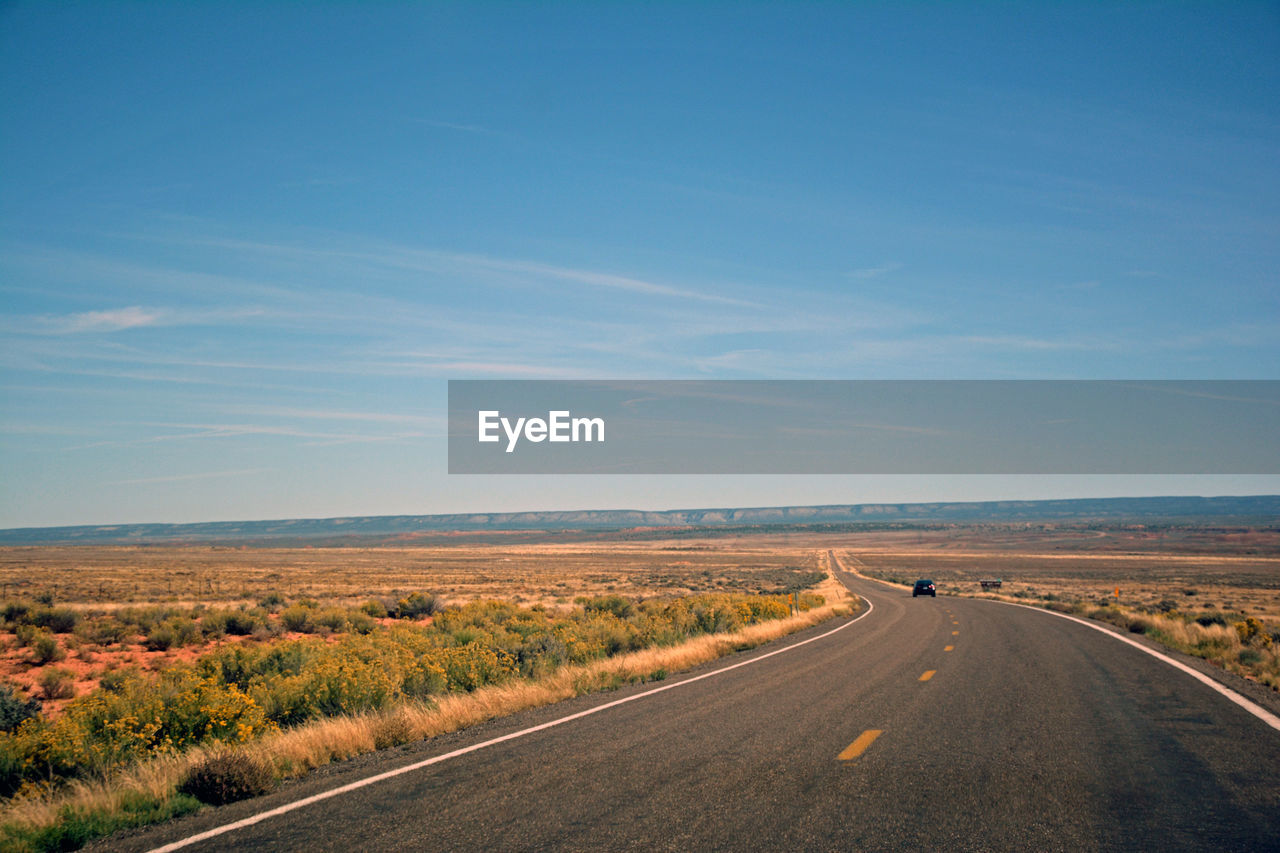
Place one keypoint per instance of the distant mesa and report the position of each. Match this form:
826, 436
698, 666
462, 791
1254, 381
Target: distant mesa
1254, 509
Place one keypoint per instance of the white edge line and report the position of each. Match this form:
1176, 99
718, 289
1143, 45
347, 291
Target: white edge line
1247, 704
361, 783
1250, 706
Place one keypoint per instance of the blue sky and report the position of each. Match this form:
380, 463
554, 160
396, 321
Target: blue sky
243, 246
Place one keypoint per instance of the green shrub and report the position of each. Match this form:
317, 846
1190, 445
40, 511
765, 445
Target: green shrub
333, 618
298, 618
416, 605
185, 630
272, 602
57, 683
160, 638
13, 767
146, 618
809, 600
361, 622
106, 631
14, 709
25, 633
226, 778
269, 630
242, 622
59, 620
16, 611
615, 604
245, 622
213, 623
45, 648
1249, 657
374, 608
1111, 615
171, 634
114, 680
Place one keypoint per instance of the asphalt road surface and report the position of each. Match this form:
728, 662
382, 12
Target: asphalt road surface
927, 724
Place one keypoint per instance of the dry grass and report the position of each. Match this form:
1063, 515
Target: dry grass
107, 576
95, 582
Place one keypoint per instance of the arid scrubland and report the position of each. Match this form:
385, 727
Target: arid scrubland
141, 682
121, 711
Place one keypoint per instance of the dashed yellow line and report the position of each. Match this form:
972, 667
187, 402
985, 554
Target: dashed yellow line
928, 674
860, 745
949, 648
955, 633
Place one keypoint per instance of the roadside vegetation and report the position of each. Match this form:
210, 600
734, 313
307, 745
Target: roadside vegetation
1236, 642
291, 685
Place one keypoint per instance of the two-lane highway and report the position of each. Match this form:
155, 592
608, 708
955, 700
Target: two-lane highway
927, 724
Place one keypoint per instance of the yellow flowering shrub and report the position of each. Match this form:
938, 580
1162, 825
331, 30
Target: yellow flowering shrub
141, 717
237, 692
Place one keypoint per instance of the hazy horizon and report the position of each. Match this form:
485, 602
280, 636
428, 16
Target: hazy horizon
649, 509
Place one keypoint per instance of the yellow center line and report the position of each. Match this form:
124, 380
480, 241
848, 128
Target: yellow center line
955, 633
860, 745
928, 674
948, 648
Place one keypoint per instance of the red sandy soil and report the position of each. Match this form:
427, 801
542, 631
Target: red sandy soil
88, 662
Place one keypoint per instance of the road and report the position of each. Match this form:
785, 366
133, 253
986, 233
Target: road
928, 724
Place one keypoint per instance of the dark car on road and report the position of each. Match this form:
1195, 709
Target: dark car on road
924, 587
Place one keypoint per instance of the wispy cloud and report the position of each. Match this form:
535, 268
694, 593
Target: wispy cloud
874, 272
599, 279
232, 430
178, 478
846, 429
744, 360
398, 256
336, 415
98, 273
453, 366
1027, 343
194, 432
116, 320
